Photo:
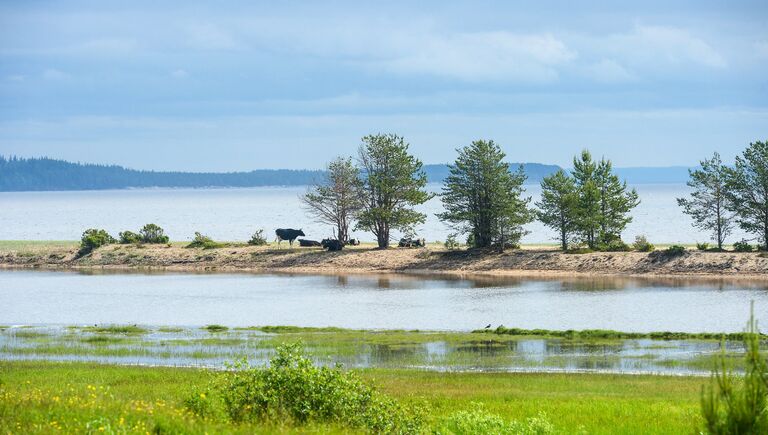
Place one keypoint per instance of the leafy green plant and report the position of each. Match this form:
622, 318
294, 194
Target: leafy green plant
642, 244
478, 421
152, 233
94, 238
742, 246
129, 237
258, 239
451, 243
739, 404
205, 242
675, 250
615, 245
702, 246
294, 391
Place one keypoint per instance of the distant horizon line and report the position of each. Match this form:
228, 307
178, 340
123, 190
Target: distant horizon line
85, 163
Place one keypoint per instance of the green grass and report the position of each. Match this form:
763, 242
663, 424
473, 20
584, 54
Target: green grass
116, 329
39, 397
215, 328
591, 334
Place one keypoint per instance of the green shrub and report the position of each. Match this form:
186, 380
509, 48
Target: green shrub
675, 250
92, 239
579, 250
152, 233
129, 237
615, 245
478, 421
642, 244
215, 328
702, 246
736, 404
258, 239
742, 246
451, 243
291, 390
205, 242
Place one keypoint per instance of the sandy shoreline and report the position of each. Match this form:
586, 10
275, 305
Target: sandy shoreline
530, 262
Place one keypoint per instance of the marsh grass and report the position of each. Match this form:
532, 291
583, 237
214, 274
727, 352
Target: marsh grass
590, 334
36, 396
215, 328
115, 329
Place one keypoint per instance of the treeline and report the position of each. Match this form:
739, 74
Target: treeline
34, 174
484, 197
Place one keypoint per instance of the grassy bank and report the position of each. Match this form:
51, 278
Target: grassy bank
531, 260
42, 397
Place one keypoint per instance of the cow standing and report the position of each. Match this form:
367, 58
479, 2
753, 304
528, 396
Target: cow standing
288, 234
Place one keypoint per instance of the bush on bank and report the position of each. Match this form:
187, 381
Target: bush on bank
291, 390
92, 239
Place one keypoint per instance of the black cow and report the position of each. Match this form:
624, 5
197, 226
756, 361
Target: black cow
288, 234
305, 242
332, 244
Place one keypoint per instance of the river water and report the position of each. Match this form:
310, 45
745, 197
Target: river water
377, 301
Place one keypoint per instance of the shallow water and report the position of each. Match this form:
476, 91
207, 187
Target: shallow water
234, 214
377, 301
470, 352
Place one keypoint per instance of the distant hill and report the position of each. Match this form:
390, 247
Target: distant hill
22, 174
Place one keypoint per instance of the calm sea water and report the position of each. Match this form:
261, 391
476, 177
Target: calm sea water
377, 301
234, 214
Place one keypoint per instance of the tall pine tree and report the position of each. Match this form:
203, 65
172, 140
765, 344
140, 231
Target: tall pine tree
558, 206
483, 198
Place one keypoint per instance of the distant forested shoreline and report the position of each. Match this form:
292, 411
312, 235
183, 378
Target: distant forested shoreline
39, 174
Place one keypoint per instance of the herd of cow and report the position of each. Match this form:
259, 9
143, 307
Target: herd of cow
290, 235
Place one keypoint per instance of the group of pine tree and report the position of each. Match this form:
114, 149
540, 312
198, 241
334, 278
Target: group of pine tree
484, 199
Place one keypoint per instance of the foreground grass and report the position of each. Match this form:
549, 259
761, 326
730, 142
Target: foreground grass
44, 397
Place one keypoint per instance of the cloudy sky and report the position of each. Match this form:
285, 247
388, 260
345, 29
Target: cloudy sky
242, 85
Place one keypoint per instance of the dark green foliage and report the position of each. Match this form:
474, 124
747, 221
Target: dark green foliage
708, 202
742, 246
92, 239
482, 197
748, 190
739, 404
216, 328
604, 201
451, 243
558, 208
392, 182
258, 239
579, 250
642, 244
337, 199
152, 233
611, 334
615, 245
129, 237
205, 242
675, 250
702, 246
291, 390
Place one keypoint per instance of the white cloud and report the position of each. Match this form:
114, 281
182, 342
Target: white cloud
659, 48
609, 71
16, 77
500, 56
54, 74
179, 73
208, 36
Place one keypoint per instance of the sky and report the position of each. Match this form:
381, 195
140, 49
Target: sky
225, 86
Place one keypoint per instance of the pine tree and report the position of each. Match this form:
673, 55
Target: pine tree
747, 190
708, 201
482, 197
558, 205
392, 183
